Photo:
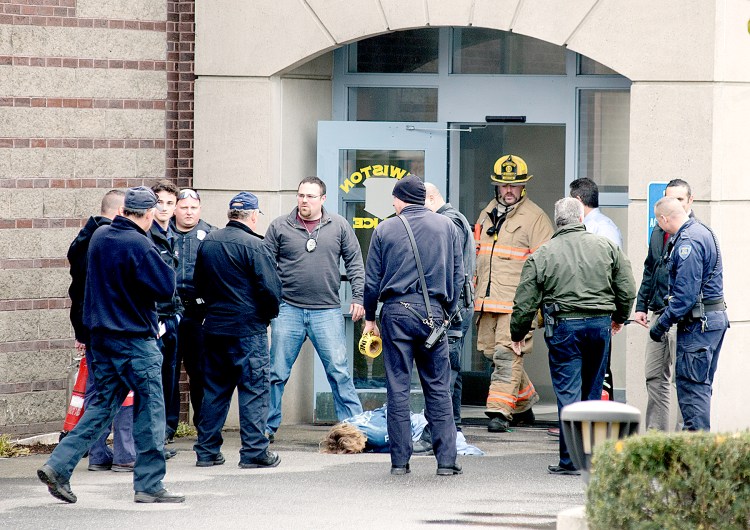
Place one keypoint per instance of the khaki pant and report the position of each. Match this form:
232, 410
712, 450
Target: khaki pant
660, 357
511, 390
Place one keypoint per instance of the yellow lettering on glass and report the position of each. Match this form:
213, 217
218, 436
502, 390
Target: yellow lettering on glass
368, 223
377, 170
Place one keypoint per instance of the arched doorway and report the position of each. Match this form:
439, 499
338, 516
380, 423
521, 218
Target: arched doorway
445, 103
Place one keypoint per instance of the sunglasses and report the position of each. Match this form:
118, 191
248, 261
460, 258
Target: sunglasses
187, 193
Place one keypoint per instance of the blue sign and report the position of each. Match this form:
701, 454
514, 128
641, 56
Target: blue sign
655, 192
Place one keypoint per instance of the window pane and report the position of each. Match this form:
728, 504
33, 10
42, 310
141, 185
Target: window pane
401, 52
605, 138
487, 51
588, 66
392, 104
357, 166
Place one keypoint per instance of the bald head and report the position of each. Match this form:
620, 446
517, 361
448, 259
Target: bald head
434, 199
112, 204
670, 214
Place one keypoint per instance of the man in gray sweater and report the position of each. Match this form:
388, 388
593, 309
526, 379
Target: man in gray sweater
308, 245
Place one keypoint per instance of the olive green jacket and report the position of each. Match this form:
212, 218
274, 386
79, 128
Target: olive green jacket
582, 272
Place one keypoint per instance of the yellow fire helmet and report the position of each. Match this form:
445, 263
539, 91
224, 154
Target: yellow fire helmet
510, 169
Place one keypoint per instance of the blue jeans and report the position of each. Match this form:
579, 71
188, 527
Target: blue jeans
170, 376
695, 365
403, 345
325, 328
241, 363
122, 428
121, 364
578, 352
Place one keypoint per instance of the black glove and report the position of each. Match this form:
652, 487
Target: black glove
656, 333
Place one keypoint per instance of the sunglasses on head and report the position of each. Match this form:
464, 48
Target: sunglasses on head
187, 193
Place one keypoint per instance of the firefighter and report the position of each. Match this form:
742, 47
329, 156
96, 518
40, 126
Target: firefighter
509, 229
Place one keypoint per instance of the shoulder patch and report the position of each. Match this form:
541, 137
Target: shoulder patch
201, 234
684, 251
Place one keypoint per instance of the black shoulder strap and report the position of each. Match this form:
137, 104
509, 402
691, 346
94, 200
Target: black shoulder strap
422, 281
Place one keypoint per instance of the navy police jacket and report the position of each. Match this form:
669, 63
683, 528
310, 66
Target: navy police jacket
164, 241
237, 279
77, 257
391, 272
694, 262
185, 250
125, 279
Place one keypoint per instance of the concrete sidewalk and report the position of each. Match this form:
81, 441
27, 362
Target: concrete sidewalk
507, 488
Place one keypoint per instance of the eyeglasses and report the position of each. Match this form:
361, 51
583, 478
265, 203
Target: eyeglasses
188, 193
308, 196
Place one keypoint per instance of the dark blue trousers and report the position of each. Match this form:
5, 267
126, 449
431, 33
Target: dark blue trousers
578, 352
190, 345
121, 364
403, 335
698, 347
456, 335
170, 376
242, 363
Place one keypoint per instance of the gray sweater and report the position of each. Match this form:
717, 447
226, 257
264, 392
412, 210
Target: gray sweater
311, 280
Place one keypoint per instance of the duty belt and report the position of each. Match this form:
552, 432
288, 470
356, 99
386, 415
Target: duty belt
193, 303
714, 305
573, 315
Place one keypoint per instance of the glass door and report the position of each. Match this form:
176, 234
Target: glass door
474, 148
360, 162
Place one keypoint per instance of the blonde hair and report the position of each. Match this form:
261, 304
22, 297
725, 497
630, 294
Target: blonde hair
343, 438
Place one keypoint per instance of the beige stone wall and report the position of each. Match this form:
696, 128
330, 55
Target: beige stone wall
689, 106
81, 42
20, 81
83, 103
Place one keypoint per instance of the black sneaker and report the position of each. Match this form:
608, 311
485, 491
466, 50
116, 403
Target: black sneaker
162, 495
455, 469
123, 468
169, 453
559, 470
525, 418
400, 470
100, 467
498, 424
421, 447
58, 488
216, 461
267, 459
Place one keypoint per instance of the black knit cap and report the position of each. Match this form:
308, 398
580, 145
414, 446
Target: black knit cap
410, 189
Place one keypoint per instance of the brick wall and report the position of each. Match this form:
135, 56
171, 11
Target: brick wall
180, 79
94, 94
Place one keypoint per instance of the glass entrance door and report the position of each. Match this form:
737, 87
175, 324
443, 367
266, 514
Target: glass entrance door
360, 162
473, 151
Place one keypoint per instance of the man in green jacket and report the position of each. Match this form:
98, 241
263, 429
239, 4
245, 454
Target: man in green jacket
585, 283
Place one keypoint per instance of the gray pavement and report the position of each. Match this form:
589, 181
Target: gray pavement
509, 487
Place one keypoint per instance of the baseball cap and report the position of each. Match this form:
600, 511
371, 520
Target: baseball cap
244, 200
140, 198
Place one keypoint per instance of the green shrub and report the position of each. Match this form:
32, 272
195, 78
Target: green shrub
10, 449
185, 430
671, 481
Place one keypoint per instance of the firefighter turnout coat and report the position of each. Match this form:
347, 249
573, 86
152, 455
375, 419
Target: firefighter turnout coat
501, 256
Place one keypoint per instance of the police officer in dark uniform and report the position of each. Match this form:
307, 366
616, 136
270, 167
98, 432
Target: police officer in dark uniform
170, 313
189, 230
696, 304
236, 276
125, 278
392, 277
459, 326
